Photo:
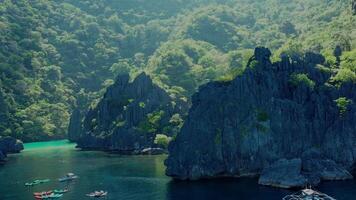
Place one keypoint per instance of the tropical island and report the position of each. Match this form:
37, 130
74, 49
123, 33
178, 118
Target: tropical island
213, 89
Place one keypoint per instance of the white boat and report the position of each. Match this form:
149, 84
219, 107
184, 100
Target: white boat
98, 194
68, 177
308, 194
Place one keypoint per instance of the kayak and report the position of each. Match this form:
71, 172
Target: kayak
36, 182
42, 193
51, 196
60, 191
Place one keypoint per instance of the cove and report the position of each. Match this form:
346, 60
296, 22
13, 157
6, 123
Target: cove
127, 177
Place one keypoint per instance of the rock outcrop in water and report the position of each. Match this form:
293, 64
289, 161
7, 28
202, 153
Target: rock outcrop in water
281, 121
9, 145
75, 125
127, 118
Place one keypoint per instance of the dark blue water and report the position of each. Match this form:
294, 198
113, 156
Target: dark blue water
127, 178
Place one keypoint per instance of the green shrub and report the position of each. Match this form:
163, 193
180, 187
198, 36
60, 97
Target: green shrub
253, 64
348, 60
162, 140
298, 79
142, 104
231, 75
344, 75
324, 69
151, 123
342, 103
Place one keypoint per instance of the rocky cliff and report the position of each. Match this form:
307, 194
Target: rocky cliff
9, 145
127, 118
75, 125
281, 121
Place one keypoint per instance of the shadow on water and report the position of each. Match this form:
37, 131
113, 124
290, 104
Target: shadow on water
224, 188
248, 189
341, 190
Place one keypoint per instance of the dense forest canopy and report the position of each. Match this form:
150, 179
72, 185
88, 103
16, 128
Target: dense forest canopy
61, 54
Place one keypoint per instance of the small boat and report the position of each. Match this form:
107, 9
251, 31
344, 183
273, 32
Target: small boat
60, 191
44, 181
28, 184
308, 194
98, 194
68, 177
50, 196
42, 193
36, 182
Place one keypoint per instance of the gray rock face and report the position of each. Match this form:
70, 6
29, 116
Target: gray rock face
9, 145
271, 112
329, 170
128, 117
2, 156
283, 173
354, 7
75, 125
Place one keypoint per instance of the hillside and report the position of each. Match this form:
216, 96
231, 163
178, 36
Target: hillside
59, 55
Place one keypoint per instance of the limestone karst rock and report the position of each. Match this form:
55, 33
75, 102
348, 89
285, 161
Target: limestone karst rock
272, 111
127, 118
9, 145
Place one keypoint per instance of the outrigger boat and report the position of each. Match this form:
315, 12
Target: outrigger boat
97, 194
60, 191
68, 177
308, 194
36, 182
42, 193
50, 196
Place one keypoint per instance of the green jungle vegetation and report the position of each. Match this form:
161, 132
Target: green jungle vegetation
60, 54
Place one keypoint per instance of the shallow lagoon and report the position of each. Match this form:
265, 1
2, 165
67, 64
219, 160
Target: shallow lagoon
126, 177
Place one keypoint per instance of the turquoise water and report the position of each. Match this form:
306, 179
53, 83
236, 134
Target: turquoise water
126, 177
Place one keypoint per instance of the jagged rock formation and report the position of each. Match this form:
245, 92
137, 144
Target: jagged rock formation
354, 7
9, 145
127, 118
283, 173
75, 125
285, 110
